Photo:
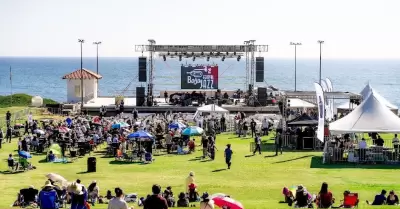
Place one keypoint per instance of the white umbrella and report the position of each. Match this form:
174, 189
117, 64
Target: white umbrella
56, 178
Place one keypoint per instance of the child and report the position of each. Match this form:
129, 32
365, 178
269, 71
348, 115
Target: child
228, 155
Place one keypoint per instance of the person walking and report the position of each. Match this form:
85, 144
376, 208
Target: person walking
257, 141
228, 155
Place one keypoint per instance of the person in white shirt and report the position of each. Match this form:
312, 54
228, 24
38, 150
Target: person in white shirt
396, 145
109, 140
363, 146
265, 126
118, 201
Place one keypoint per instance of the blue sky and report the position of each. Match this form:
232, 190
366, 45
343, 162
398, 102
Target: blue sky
350, 28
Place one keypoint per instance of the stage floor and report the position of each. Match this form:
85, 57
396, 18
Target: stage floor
110, 101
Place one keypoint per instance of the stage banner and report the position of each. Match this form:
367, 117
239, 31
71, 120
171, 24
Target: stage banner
199, 77
321, 111
331, 101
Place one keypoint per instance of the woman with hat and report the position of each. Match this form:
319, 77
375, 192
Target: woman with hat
189, 180
78, 196
206, 203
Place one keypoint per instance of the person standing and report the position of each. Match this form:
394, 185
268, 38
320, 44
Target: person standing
396, 143
223, 126
228, 155
1, 137
253, 128
257, 141
8, 134
265, 126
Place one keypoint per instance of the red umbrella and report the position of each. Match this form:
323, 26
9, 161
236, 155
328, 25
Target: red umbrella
63, 129
227, 202
96, 119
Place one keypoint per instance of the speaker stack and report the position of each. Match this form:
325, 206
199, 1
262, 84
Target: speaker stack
140, 96
262, 96
142, 69
259, 69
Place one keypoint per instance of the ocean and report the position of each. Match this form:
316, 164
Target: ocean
42, 76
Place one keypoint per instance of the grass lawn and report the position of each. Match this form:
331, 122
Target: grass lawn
256, 181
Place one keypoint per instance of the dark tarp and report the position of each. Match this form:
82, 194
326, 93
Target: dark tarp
303, 120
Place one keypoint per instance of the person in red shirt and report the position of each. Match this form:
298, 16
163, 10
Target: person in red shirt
325, 198
155, 201
192, 145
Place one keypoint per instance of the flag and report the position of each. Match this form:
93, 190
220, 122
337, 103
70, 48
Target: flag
321, 111
331, 102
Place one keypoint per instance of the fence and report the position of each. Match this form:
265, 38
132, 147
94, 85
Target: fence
294, 142
372, 154
15, 117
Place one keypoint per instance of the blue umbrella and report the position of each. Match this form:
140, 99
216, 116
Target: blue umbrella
140, 134
117, 125
177, 125
192, 131
24, 154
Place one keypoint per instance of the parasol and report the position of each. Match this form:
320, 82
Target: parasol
140, 134
227, 202
56, 178
24, 154
192, 131
176, 125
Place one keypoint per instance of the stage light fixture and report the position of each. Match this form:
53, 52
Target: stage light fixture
238, 58
194, 58
208, 58
180, 57
165, 58
223, 58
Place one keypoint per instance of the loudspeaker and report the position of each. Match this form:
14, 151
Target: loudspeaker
142, 69
262, 96
259, 69
140, 96
91, 164
250, 88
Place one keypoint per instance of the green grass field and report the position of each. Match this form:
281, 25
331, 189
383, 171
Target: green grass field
256, 181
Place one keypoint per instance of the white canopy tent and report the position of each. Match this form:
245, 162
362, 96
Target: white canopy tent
370, 116
365, 93
212, 108
299, 103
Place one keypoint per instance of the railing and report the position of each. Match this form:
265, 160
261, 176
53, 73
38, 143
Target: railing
294, 142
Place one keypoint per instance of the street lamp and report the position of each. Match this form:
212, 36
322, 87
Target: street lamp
295, 63
81, 41
97, 57
320, 60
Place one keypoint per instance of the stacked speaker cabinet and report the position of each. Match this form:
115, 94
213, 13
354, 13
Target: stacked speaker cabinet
259, 69
142, 69
262, 96
140, 96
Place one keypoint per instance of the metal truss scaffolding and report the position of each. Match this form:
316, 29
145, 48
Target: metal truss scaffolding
225, 51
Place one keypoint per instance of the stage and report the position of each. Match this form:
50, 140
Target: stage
93, 107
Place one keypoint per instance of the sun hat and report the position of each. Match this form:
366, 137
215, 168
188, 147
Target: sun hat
31, 187
300, 188
191, 173
48, 184
77, 188
205, 196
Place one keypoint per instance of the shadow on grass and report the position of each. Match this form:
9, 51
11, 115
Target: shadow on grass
8, 172
195, 159
37, 154
316, 162
160, 154
107, 156
42, 161
100, 152
219, 170
120, 162
83, 172
208, 160
267, 156
293, 159
251, 155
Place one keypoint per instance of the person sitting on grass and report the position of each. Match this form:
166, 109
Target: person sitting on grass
206, 203
183, 201
93, 191
48, 197
289, 197
380, 199
11, 163
392, 199
325, 198
169, 196
118, 201
302, 199
192, 145
155, 201
51, 157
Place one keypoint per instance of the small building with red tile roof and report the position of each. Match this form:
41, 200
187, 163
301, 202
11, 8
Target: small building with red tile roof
90, 85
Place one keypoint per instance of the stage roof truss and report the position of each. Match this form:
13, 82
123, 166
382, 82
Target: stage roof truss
199, 48
328, 95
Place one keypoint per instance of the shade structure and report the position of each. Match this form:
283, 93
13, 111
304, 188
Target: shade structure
176, 125
24, 154
228, 202
212, 108
303, 120
192, 131
370, 116
365, 93
56, 178
120, 125
140, 134
299, 103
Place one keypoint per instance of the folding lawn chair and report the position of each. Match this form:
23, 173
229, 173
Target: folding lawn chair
350, 200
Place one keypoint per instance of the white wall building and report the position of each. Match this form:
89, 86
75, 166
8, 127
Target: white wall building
90, 85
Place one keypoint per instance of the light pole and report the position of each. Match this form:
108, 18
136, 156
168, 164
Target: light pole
320, 60
295, 63
81, 41
97, 57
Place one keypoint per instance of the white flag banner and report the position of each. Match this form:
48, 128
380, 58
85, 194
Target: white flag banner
331, 102
324, 86
321, 111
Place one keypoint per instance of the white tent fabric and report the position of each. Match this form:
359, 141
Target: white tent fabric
298, 103
365, 93
370, 116
212, 108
